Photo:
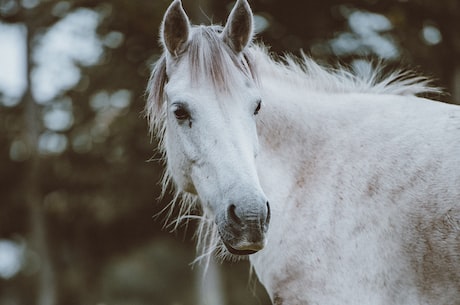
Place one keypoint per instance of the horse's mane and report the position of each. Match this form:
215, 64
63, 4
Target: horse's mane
366, 77
211, 58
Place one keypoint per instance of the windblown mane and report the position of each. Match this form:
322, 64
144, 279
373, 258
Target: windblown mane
365, 77
209, 57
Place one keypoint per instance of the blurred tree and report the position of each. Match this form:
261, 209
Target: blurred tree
424, 33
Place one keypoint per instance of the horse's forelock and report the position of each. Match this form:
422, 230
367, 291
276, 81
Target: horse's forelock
211, 59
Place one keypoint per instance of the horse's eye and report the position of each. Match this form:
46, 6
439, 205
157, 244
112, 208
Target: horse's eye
181, 113
256, 111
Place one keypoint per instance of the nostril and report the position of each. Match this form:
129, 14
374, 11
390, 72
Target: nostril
267, 219
232, 214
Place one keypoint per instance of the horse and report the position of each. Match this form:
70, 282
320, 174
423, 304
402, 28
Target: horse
340, 186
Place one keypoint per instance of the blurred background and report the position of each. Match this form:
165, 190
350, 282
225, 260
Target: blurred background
78, 194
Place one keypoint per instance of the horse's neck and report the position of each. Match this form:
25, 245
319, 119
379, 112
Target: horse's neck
300, 129
291, 135
302, 132
295, 123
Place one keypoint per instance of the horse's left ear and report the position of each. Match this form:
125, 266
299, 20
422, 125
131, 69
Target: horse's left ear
239, 30
175, 28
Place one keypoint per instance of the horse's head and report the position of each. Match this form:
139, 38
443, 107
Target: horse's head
209, 102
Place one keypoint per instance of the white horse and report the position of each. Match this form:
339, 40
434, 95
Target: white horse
342, 188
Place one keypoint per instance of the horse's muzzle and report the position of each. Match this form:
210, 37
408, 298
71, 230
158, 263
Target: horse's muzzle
243, 228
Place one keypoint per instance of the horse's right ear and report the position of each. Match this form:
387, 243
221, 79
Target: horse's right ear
175, 28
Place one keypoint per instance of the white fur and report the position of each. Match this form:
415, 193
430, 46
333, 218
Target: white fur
362, 176
352, 179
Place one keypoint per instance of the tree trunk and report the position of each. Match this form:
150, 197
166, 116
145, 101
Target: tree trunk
456, 86
45, 283
209, 279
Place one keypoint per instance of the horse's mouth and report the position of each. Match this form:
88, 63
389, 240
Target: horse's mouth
239, 252
244, 243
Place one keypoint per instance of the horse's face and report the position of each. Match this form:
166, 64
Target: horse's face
210, 137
